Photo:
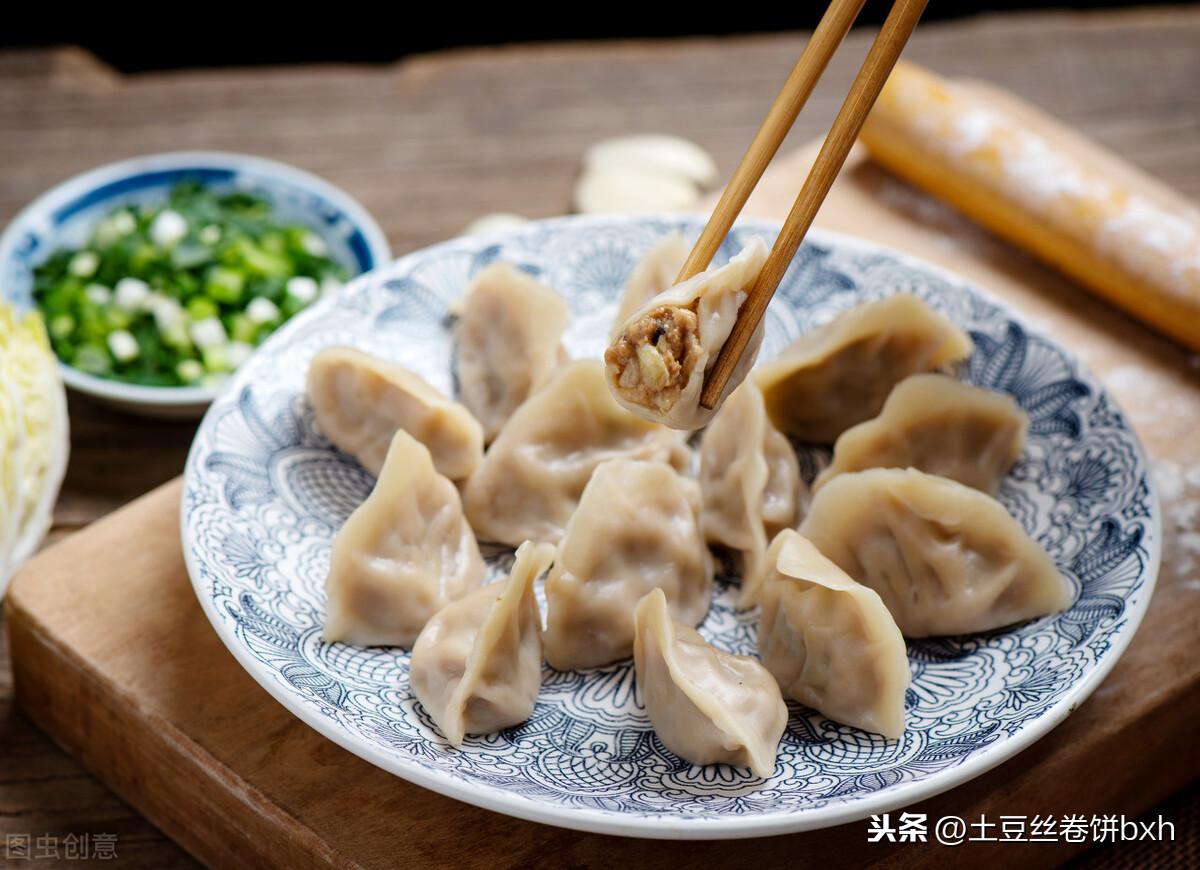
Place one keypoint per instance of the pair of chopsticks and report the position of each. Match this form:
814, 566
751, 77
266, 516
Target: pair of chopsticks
900, 23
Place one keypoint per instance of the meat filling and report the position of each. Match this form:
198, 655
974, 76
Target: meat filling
655, 355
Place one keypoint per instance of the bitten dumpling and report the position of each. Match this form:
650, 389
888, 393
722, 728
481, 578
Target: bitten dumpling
940, 426
404, 554
477, 665
707, 706
508, 342
945, 558
535, 471
637, 528
655, 272
834, 377
360, 401
829, 641
657, 365
749, 483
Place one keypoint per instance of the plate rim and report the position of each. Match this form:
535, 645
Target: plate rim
699, 827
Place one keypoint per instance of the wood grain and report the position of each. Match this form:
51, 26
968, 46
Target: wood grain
240, 782
432, 142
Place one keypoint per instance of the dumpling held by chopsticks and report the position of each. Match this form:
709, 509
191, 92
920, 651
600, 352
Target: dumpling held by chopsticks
656, 365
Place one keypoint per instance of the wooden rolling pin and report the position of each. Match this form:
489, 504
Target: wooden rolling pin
1025, 177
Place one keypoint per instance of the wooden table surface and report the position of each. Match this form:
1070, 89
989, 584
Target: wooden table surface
431, 142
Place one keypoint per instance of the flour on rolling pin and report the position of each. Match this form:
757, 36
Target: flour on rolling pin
1032, 181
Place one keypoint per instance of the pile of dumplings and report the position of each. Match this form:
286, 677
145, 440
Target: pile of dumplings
588, 470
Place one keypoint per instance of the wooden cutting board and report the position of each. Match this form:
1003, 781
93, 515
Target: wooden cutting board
113, 657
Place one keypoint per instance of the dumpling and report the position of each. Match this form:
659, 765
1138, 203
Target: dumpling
945, 558
508, 342
637, 528
535, 471
360, 401
749, 483
654, 273
404, 554
707, 706
657, 366
477, 665
940, 426
829, 641
839, 375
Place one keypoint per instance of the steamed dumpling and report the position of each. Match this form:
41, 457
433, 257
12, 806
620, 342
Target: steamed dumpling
940, 426
404, 554
749, 483
657, 365
945, 558
477, 665
707, 706
829, 641
653, 274
508, 342
360, 401
839, 375
637, 528
535, 471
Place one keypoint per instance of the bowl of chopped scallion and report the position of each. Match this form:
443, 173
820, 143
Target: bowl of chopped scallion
158, 276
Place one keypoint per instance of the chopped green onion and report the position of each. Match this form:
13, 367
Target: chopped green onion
189, 370
130, 294
84, 264
202, 308
242, 328
262, 311
97, 294
92, 359
180, 292
303, 289
168, 228
225, 285
208, 333
123, 346
61, 326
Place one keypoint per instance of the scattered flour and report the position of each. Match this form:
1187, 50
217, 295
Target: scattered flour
1152, 399
1179, 489
954, 231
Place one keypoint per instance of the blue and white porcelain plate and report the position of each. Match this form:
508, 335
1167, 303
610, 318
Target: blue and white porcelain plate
265, 493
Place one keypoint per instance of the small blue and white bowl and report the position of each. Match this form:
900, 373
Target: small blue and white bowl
66, 214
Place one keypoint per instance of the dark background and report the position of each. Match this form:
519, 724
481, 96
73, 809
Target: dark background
169, 36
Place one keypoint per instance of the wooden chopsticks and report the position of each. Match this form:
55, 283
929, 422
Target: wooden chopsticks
830, 32
900, 23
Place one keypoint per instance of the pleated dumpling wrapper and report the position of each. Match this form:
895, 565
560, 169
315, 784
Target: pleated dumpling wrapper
828, 380
508, 342
945, 558
657, 365
404, 554
707, 706
829, 641
940, 426
637, 528
749, 484
655, 272
535, 471
360, 401
477, 665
